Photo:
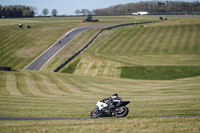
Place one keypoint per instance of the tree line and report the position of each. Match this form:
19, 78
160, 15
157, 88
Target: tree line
149, 6
17, 11
54, 12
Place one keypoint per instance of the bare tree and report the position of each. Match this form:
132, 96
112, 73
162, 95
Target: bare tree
85, 11
54, 12
34, 9
45, 11
77, 12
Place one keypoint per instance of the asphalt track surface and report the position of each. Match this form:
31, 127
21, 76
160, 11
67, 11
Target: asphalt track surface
42, 59
51, 118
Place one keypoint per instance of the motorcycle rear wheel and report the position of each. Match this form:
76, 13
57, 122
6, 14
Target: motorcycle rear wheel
123, 111
95, 113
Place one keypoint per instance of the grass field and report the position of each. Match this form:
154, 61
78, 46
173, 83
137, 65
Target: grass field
46, 94
160, 44
96, 74
18, 47
42, 94
175, 125
80, 41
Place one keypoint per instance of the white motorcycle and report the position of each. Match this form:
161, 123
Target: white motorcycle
103, 110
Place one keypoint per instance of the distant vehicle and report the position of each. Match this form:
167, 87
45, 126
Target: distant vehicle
140, 13
20, 25
89, 19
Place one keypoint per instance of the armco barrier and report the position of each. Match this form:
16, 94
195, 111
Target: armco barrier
77, 53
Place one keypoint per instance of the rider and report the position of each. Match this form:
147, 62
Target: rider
114, 101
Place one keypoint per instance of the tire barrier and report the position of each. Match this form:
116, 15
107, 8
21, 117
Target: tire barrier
80, 51
5, 68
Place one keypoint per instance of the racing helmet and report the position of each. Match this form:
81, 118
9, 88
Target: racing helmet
115, 95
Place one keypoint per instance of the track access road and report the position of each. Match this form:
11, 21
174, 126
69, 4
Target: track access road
47, 55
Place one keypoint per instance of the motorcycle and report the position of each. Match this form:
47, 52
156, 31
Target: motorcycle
103, 110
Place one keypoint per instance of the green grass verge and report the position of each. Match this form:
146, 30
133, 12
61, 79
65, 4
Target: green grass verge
159, 72
163, 125
72, 66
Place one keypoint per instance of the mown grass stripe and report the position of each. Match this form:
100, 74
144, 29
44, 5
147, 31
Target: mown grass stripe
117, 34
50, 85
195, 33
21, 84
40, 83
119, 41
130, 42
96, 66
67, 88
190, 38
32, 85
114, 39
151, 41
185, 39
3, 90
134, 40
59, 84
7, 36
80, 67
11, 85
11, 38
165, 42
108, 70
173, 39
10, 50
156, 43
179, 33
181, 40
80, 86
148, 35
196, 47
88, 68
162, 43
101, 69
137, 40
93, 68
87, 87
72, 88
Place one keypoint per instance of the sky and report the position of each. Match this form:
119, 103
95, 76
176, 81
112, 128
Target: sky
66, 7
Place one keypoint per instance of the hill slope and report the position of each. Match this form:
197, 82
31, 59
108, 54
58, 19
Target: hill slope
166, 43
42, 94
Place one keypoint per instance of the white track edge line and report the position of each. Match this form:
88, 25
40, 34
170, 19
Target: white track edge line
49, 48
60, 49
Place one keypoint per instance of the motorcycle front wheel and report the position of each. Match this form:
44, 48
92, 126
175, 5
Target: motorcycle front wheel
122, 112
95, 113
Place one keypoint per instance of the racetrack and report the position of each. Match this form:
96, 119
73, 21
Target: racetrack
51, 118
42, 59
